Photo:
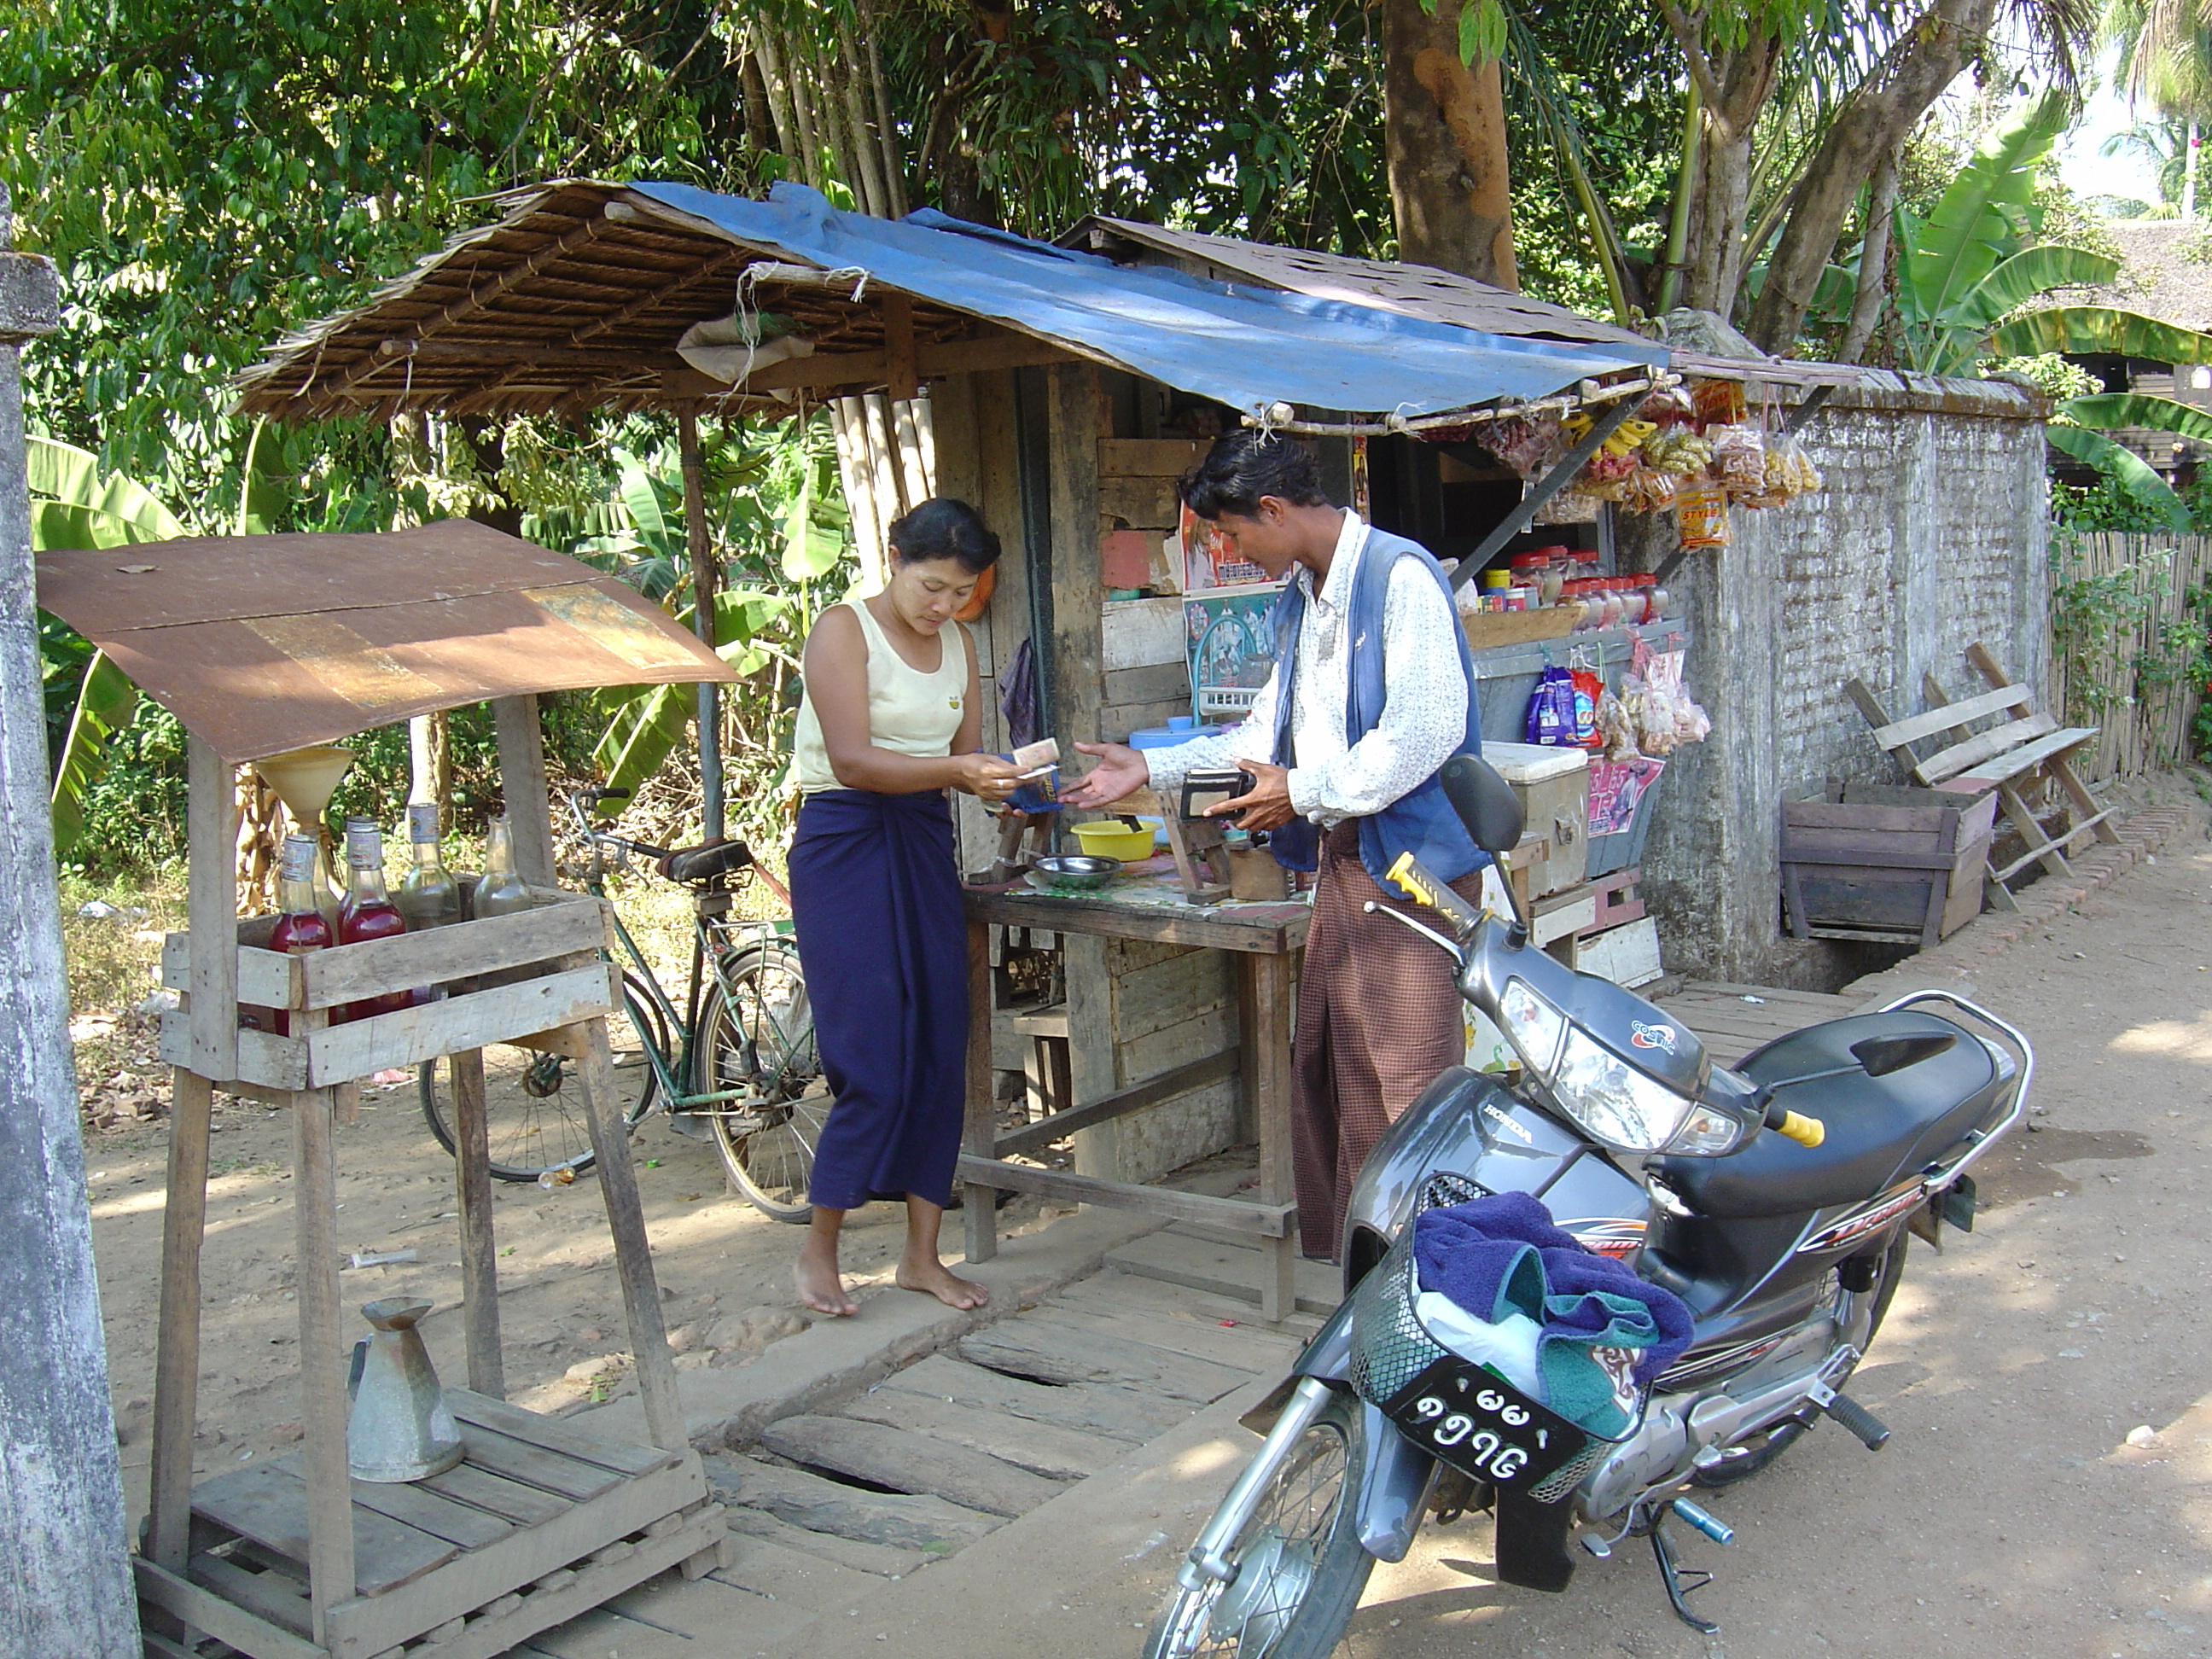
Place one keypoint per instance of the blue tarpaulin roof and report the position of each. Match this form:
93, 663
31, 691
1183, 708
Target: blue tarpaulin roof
1246, 347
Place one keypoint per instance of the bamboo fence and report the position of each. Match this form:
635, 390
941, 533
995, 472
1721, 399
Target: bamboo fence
2114, 656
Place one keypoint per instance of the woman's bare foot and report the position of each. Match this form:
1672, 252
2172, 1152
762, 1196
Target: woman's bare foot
933, 1276
823, 1289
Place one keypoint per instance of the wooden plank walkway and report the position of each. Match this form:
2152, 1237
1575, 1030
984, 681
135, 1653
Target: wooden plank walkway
835, 1504
1732, 1020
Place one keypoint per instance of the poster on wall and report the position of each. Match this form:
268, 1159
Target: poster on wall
1209, 561
1230, 649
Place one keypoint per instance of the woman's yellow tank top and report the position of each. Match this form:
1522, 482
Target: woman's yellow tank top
909, 713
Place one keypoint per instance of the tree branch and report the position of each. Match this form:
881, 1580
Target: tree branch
1684, 28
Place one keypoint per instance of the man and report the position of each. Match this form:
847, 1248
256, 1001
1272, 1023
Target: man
1372, 693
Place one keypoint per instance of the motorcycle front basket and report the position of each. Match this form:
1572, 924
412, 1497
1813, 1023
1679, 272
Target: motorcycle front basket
1460, 1413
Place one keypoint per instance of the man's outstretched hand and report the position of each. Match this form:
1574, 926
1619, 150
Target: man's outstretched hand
1119, 770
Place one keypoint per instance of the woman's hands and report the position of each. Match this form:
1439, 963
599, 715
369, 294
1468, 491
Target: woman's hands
987, 777
1119, 770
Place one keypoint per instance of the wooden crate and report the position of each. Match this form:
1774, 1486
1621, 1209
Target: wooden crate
1883, 864
540, 1521
505, 977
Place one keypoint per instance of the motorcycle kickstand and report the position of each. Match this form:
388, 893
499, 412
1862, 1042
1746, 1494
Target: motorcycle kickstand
1671, 1576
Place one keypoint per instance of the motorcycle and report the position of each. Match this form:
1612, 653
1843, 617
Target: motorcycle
1776, 1200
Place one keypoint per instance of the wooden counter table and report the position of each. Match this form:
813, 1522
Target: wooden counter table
1263, 940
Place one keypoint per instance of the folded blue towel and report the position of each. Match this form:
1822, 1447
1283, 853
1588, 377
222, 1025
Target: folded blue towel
1502, 1255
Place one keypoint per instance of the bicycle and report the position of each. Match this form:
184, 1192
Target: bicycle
739, 1054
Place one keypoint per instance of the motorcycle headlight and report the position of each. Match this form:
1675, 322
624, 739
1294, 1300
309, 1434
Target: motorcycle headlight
1533, 1025
1625, 1109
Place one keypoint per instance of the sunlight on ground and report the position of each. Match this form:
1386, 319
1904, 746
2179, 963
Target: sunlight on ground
2171, 1038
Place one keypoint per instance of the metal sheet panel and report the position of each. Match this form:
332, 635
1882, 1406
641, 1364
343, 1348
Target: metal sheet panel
1248, 347
259, 644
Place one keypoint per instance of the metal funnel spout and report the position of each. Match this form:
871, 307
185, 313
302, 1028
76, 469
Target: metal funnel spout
306, 779
401, 1428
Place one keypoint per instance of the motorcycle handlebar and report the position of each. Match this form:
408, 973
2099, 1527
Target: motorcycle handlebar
1791, 1125
1412, 878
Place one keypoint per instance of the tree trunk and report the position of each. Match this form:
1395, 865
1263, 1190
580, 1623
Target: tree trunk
1873, 261
1877, 118
1721, 196
63, 1556
1444, 133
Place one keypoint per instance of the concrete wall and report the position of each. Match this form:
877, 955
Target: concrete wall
1930, 535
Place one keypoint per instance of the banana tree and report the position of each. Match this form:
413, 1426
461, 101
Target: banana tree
74, 506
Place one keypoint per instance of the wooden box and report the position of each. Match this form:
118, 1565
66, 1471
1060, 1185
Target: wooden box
504, 978
1553, 784
540, 1521
1888, 865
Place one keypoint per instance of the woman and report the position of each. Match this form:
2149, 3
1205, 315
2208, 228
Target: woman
890, 718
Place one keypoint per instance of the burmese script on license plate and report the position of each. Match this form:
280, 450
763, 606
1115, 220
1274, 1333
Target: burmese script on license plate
1482, 1427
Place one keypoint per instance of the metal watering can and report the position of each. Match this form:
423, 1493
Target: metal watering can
401, 1428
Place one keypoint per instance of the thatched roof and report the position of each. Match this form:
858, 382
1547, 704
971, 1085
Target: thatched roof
573, 299
2166, 269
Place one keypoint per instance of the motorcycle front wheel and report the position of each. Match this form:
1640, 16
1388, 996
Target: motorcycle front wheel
1299, 1566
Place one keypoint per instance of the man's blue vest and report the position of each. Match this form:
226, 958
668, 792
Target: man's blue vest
1420, 821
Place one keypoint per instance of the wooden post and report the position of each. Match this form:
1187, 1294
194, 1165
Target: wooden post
1077, 597
1264, 1019
703, 582
322, 1351
980, 1129
649, 1334
479, 1249
176, 1337
898, 352
63, 1558
522, 778
211, 908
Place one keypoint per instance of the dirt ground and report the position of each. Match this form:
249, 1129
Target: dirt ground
724, 1268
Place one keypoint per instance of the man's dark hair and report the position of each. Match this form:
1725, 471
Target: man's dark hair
1247, 464
942, 528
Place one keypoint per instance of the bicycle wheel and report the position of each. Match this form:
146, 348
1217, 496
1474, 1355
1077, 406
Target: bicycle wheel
760, 1040
534, 1101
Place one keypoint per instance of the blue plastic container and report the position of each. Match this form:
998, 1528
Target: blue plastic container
1179, 728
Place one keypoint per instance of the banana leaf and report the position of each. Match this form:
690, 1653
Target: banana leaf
90, 510
2032, 271
645, 725
106, 703
2118, 462
1962, 241
2109, 411
2102, 329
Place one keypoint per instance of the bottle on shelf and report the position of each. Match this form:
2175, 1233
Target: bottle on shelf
501, 891
430, 896
301, 924
367, 913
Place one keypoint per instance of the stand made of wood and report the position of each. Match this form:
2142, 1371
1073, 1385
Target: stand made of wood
290, 1559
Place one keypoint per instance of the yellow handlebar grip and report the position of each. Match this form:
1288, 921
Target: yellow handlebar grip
1805, 1131
1407, 872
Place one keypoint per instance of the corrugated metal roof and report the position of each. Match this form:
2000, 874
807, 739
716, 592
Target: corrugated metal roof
576, 298
1426, 292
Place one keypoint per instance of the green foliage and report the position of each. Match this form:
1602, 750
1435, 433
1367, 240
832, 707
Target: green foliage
2117, 634
2050, 373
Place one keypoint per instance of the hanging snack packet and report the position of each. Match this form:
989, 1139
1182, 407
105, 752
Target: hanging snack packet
1552, 710
1701, 514
1589, 688
1739, 459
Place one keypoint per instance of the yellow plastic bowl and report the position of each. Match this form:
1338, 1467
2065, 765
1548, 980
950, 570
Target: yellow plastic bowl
1110, 839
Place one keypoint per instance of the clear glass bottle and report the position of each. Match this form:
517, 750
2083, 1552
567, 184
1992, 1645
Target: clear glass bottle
430, 896
367, 913
301, 924
501, 891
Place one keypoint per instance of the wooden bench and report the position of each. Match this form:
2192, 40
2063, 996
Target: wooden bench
2024, 747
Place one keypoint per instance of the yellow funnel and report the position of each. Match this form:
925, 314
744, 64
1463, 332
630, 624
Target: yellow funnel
306, 779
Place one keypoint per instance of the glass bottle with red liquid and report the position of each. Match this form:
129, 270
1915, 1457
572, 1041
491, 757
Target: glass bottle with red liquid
367, 913
301, 927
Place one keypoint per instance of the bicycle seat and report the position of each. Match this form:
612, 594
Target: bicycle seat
705, 862
1879, 1128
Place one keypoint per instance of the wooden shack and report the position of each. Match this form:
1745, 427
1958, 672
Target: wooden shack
1060, 390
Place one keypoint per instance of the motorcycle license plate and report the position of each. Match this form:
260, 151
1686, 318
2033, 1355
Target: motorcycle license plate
1481, 1425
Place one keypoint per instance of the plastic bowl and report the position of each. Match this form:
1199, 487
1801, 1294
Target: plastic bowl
1111, 840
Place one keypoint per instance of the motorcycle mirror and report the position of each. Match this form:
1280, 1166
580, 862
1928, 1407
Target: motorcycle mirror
1879, 1057
1485, 803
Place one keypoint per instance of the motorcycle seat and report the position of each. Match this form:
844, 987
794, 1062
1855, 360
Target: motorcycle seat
1879, 1128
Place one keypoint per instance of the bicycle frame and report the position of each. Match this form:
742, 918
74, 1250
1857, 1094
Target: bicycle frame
712, 950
